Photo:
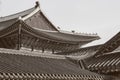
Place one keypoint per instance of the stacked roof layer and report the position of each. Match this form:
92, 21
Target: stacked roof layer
27, 63
32, 29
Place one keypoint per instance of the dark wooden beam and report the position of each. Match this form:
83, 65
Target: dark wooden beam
29, 41
32, 44
13, 42
43, 50
4, 43
7, 41
53, 51
25, 39
35, 43
19, 38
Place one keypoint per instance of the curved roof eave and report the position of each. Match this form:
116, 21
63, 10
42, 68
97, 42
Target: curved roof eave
58, 36
31, 31
67, 37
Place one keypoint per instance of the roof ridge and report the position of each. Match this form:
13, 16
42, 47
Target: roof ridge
30, 53
79, 33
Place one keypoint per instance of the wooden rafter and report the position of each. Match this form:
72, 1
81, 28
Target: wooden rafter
110, 45
2, 45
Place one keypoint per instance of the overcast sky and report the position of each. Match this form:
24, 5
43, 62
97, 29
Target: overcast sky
88, 16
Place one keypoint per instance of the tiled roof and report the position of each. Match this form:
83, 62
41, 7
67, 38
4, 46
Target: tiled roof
34, 76
104, 64
38, 65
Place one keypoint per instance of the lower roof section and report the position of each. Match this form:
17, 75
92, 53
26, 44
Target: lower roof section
19, 63
108, 63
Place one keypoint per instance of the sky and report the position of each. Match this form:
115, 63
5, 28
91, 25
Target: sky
86, 16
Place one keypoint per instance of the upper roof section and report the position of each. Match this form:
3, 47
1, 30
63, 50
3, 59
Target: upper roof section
35, 19
38, 20
17, 63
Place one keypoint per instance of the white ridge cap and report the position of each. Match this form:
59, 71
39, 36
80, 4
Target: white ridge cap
76, 33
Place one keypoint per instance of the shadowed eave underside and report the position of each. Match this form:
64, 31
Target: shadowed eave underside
110, 45
49, 35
